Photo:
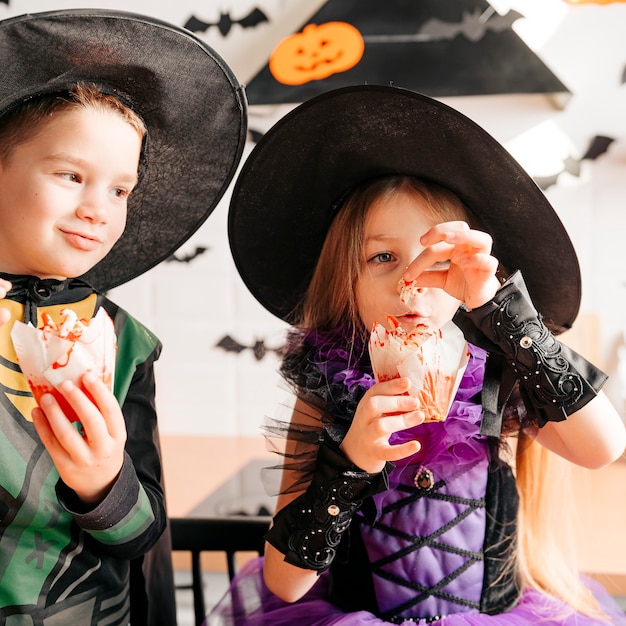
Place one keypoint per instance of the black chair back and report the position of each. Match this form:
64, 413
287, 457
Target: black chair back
230, 534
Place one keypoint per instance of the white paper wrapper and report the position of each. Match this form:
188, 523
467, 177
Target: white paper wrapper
434, 361
54, 353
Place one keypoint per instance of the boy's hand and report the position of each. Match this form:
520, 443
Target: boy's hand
5, 287
468, 269
383, 410
87, 464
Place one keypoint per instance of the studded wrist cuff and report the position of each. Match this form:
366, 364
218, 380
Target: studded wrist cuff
554, 380
308, 531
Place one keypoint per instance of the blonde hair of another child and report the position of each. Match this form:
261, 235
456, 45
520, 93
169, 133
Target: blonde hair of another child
546, 558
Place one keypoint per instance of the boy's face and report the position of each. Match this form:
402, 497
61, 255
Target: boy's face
64, 194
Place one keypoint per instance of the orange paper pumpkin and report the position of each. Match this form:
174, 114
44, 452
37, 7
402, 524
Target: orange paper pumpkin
317, 52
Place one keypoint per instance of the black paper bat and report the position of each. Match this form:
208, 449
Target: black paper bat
598, 146
473, 26
259, 349
187, 258
225, 23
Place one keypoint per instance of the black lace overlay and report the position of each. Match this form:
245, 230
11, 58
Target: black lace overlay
330, 371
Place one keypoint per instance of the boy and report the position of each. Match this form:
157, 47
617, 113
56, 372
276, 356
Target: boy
118, 136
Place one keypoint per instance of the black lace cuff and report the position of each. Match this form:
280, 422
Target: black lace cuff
308, 531
554, 380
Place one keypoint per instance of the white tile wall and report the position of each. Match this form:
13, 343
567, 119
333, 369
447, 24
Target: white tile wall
203, 389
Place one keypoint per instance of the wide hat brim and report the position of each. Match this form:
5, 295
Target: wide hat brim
190, 100
290, 185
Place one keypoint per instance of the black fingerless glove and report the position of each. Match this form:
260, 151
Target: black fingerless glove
309, 529
554, 380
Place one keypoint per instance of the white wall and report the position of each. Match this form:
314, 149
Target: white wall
204, 390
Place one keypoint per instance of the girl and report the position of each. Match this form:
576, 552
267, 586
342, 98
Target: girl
383, 518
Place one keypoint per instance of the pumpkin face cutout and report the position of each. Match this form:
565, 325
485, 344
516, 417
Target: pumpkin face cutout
316, 53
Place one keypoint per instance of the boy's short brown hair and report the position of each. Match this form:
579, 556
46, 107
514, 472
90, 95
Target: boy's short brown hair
25, 120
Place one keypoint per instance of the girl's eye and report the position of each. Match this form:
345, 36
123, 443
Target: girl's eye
382, 257
69, 176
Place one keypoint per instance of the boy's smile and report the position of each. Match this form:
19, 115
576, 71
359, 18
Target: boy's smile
65, 192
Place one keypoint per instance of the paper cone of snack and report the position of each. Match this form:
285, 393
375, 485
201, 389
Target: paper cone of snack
57, 352
434, 361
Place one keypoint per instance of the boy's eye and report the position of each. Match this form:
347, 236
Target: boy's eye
122, 192
69, 176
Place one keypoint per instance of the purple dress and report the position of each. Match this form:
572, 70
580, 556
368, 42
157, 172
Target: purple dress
423, 557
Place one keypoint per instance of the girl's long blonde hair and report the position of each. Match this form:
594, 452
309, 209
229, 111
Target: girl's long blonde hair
546, 557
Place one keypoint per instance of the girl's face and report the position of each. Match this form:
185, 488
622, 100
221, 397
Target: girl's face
64, 194
391, 240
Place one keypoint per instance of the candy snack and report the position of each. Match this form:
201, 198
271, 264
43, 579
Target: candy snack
57, 352
434, 361
408, 291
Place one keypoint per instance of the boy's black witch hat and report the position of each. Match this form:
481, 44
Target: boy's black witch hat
190, 100
306, 164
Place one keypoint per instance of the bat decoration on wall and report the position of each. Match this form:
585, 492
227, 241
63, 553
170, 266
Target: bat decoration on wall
598, 146
225, 23
186, 258
259, 349
473, 26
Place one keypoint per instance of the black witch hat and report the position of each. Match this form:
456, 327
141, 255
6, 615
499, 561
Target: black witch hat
189, 99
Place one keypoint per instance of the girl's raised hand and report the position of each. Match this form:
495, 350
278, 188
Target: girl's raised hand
383, 410
87, 463
459, 260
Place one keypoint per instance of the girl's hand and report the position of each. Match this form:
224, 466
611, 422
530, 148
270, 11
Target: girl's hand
87, 464
5, 287
383, 410
458, 260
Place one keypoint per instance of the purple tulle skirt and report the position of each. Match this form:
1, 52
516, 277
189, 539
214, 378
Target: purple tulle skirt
249, 602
